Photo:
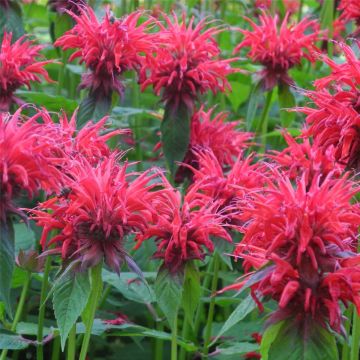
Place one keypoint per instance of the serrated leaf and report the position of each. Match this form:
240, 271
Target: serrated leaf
69, 300
7, 261
303, 340
175, 134
241, 311
168, 291
286, 101
11, 341
130, 286
93, 108
191, 291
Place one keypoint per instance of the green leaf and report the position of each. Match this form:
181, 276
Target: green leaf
51, 102
236, 349
241, 311
239, 94
11, 341
256, 97
69, 300
61, 24
25, 328
268, 338
93, 108
286, 101
175, 134
303, 340
168, 291
24, 237
130, 286
192, 291
7, 261
11, 21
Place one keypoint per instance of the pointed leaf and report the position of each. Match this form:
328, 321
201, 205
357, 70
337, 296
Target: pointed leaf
93, 108
7, 261
69, 300
256, 97
286, 101
11, 341
175, 134
168, 291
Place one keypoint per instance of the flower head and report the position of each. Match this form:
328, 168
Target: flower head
305, 239
102, 206
349, 11
183, 229
24, 164
18, 67
279, 49
186, 63
107, 47
213, 133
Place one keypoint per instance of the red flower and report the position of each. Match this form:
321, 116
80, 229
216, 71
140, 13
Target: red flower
18, 67
101, 207
216, 134
279, 49
335, 123
183, 229
349, 11
306, 158
108, 48
307, 237
186, 62
24, 166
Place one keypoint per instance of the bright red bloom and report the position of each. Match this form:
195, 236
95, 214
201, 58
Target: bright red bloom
335, 123
306, 158
18, 67
183, 229
279, 49
349, 11
24, 165
107, 47
187, 62
102, 206
213, 133
306, 236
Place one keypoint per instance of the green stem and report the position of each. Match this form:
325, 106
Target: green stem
71, 350
355, 339
184, 335
61, 75
96, 288
174, 339
56, 349
43, 294
159, 344
210, 318
19, 309
264, 120
346, 349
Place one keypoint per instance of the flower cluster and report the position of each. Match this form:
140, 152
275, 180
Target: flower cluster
18, 67
213, 133
108, 48
186, 63
304, 236
279, 48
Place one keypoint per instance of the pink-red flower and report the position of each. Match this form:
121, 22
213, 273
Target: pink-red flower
186, 63
183, 227
24, 164
107, 47
279, 48
19, 66
213, 133
349, 11
305, 239
102, 206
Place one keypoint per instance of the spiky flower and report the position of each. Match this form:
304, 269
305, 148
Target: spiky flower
24, 164
102, 206
183, 228
279, 48
186, 63
107, 47
304, 238
349, 11
19, 66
